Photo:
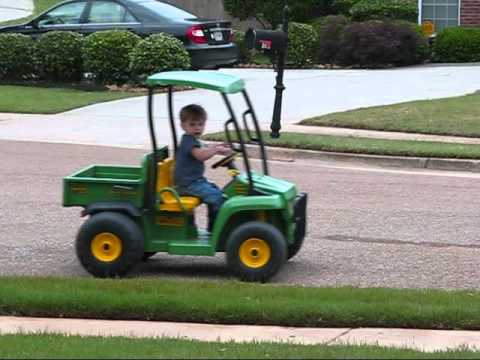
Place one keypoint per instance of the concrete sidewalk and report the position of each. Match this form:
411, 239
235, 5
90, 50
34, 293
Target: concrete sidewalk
423, 340
15, 9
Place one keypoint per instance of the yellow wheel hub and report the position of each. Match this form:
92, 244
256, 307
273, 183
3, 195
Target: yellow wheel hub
255, 253
106, 247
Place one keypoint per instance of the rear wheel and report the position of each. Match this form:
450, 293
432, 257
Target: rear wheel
109, 245
256, 251
147, 255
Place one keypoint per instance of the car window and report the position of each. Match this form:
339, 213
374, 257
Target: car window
109, 12
65, 14
166, 10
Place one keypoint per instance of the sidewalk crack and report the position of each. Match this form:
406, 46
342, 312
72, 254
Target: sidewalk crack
339, 336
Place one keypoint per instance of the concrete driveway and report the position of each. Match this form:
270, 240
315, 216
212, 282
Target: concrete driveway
309, 93
14, 9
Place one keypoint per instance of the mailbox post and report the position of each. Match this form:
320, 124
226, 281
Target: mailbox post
276, 42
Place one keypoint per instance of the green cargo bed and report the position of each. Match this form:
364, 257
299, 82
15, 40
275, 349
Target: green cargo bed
104, 183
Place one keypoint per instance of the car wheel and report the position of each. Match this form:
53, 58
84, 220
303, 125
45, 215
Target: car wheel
147, 255
256, 251
109, 245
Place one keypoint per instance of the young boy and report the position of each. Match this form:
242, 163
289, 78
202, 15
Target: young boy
190, 158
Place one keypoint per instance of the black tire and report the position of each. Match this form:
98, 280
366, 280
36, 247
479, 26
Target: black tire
268, 235
295, 248
147, 255
119, 227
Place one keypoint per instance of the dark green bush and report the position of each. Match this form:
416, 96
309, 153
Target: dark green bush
330, 33
457, 45
16, 56
385, 10
424, 48
343, 7
379, 44
303, 44
106, 55
269, 12
58, 56
159, 52
245, 55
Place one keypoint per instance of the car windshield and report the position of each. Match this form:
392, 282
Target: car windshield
166, 10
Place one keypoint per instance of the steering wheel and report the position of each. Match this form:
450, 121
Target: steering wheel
227, 160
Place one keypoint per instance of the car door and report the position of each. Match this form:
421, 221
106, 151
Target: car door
109, 15
66, 17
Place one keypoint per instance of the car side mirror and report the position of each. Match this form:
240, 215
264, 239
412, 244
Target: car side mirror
34, 24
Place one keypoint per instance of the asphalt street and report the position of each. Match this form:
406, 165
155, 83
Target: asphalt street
367, 226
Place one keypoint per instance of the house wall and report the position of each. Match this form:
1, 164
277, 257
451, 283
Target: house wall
470, 13
212, 9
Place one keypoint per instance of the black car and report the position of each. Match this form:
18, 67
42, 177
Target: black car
209, 42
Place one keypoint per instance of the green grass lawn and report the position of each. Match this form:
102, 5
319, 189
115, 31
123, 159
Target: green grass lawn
39, 6
238, 303
356, 145
45, 100
73, 347
452, 116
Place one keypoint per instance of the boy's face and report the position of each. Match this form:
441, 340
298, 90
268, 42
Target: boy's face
194, 126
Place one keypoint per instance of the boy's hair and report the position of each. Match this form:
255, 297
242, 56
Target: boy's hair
192, 111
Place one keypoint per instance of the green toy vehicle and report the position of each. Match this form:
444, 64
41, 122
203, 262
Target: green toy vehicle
135, 212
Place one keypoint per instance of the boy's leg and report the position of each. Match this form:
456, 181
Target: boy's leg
210, 195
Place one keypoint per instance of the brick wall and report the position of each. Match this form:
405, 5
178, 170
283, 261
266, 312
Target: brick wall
470, 13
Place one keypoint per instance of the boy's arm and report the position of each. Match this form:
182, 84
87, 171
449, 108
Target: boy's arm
205, 153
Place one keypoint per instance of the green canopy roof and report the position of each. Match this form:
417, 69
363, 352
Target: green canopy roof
198, 79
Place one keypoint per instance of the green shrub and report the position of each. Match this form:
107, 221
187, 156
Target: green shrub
343, 7
303, 44
58, 56
457, 45
330, 33
159, 52
16, 56
245, 55
269, 12
385, 9
379, 44
106, 55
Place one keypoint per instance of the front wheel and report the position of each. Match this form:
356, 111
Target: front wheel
109, 244
256, 251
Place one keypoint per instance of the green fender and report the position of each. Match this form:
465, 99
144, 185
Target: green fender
239, 204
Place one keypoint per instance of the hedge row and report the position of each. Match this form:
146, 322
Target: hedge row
110, 56
269, 12
334, 40
370, 43
457, 45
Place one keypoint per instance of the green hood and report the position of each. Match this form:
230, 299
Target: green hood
272, 185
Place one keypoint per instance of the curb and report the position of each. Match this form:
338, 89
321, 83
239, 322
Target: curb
284, 154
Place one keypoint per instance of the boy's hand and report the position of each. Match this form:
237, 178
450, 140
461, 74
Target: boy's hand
223, 150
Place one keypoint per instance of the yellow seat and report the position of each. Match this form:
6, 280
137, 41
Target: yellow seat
169, 201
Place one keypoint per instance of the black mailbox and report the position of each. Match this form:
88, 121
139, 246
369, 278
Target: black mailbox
266, 40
